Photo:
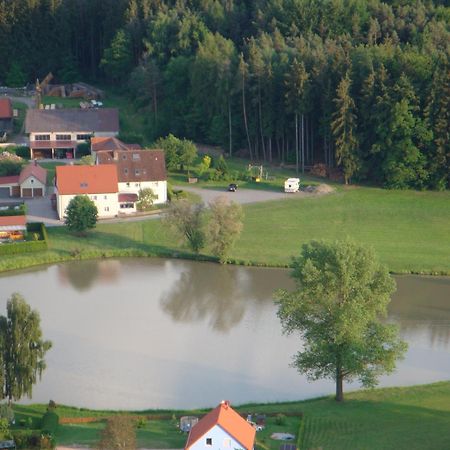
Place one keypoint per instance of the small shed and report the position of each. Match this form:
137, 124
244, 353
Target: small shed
187, 422
292, 185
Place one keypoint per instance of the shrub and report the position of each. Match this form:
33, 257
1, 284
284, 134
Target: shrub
26, 439
141, 422
83, 149
280, 419
22, 151
50, 421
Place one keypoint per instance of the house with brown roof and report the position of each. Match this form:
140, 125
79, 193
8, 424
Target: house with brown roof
6, 115
30, 183
137, 170
221, 429
110, 144
99, 183
56, 133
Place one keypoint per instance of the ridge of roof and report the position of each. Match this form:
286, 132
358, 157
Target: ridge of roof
34, 170
229, 420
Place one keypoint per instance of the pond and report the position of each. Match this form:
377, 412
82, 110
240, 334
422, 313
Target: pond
154, 333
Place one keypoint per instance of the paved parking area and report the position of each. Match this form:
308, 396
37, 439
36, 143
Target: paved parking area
40, 210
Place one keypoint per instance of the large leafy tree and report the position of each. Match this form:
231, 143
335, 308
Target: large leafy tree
81, 214
341, 295
22, 349
224, 226
187, 220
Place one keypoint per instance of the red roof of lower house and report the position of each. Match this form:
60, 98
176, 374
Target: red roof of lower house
6, 111
13, 179
230, 421
74, 180
7, 221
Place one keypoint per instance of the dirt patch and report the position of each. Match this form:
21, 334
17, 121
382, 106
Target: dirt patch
320, 189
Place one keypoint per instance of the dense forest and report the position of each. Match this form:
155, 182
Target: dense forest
362, 85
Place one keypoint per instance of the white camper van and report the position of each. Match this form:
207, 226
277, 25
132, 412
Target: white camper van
292, 185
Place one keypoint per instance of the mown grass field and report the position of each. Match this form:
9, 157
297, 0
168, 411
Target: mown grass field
409, 231
411, 418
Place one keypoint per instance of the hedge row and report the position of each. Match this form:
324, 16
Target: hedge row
32, 439
13, 212
17, 248
50, 421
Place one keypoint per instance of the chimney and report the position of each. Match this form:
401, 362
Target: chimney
225, 403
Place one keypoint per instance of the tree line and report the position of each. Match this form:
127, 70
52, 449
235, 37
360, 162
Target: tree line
362, 86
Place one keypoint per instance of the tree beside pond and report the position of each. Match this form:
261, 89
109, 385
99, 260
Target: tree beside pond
22, 349
81, 214
341, 295
187, 219
224, 226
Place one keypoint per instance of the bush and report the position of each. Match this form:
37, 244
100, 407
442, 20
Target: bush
280, 419
20, 210
26, 439
22, 151
141, 422
50, 422
83, 149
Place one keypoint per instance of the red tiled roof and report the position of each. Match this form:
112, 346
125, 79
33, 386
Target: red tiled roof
136, 165
33, 170
10, 221
6, 111
128, 198
9, 180
230, 421
100, 144
86, 179
53, 144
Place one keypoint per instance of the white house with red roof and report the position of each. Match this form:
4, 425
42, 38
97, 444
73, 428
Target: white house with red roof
99, 183
221, 429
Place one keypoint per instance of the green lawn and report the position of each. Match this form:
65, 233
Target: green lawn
50, 167
408, 230
407, 418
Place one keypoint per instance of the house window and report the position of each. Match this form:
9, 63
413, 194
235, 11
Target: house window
124, 156
125, 171
105, 197
106, 208
83, 137
208, 441
136, 156
94, 197
42, 137
63, 137
137, 172
128, 184
83, 185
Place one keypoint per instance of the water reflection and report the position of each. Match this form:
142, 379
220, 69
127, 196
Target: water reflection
204, 292
82, 275
140, 333
421, 306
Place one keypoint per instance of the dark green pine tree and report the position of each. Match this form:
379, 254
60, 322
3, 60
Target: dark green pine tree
343, 127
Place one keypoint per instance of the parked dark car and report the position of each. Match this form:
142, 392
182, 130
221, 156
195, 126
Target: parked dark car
232, 187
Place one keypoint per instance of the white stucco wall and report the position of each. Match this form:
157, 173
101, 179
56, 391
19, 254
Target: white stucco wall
159, 188
32, 182
221, 440
106, 207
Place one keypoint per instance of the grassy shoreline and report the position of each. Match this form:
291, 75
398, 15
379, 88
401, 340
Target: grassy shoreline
415, 417
407, 229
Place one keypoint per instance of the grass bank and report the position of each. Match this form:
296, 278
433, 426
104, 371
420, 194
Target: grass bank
407, 229
409, 418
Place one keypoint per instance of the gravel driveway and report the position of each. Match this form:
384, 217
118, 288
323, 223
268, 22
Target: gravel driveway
241, 196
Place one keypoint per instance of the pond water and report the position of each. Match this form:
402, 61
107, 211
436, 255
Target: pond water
153, 333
